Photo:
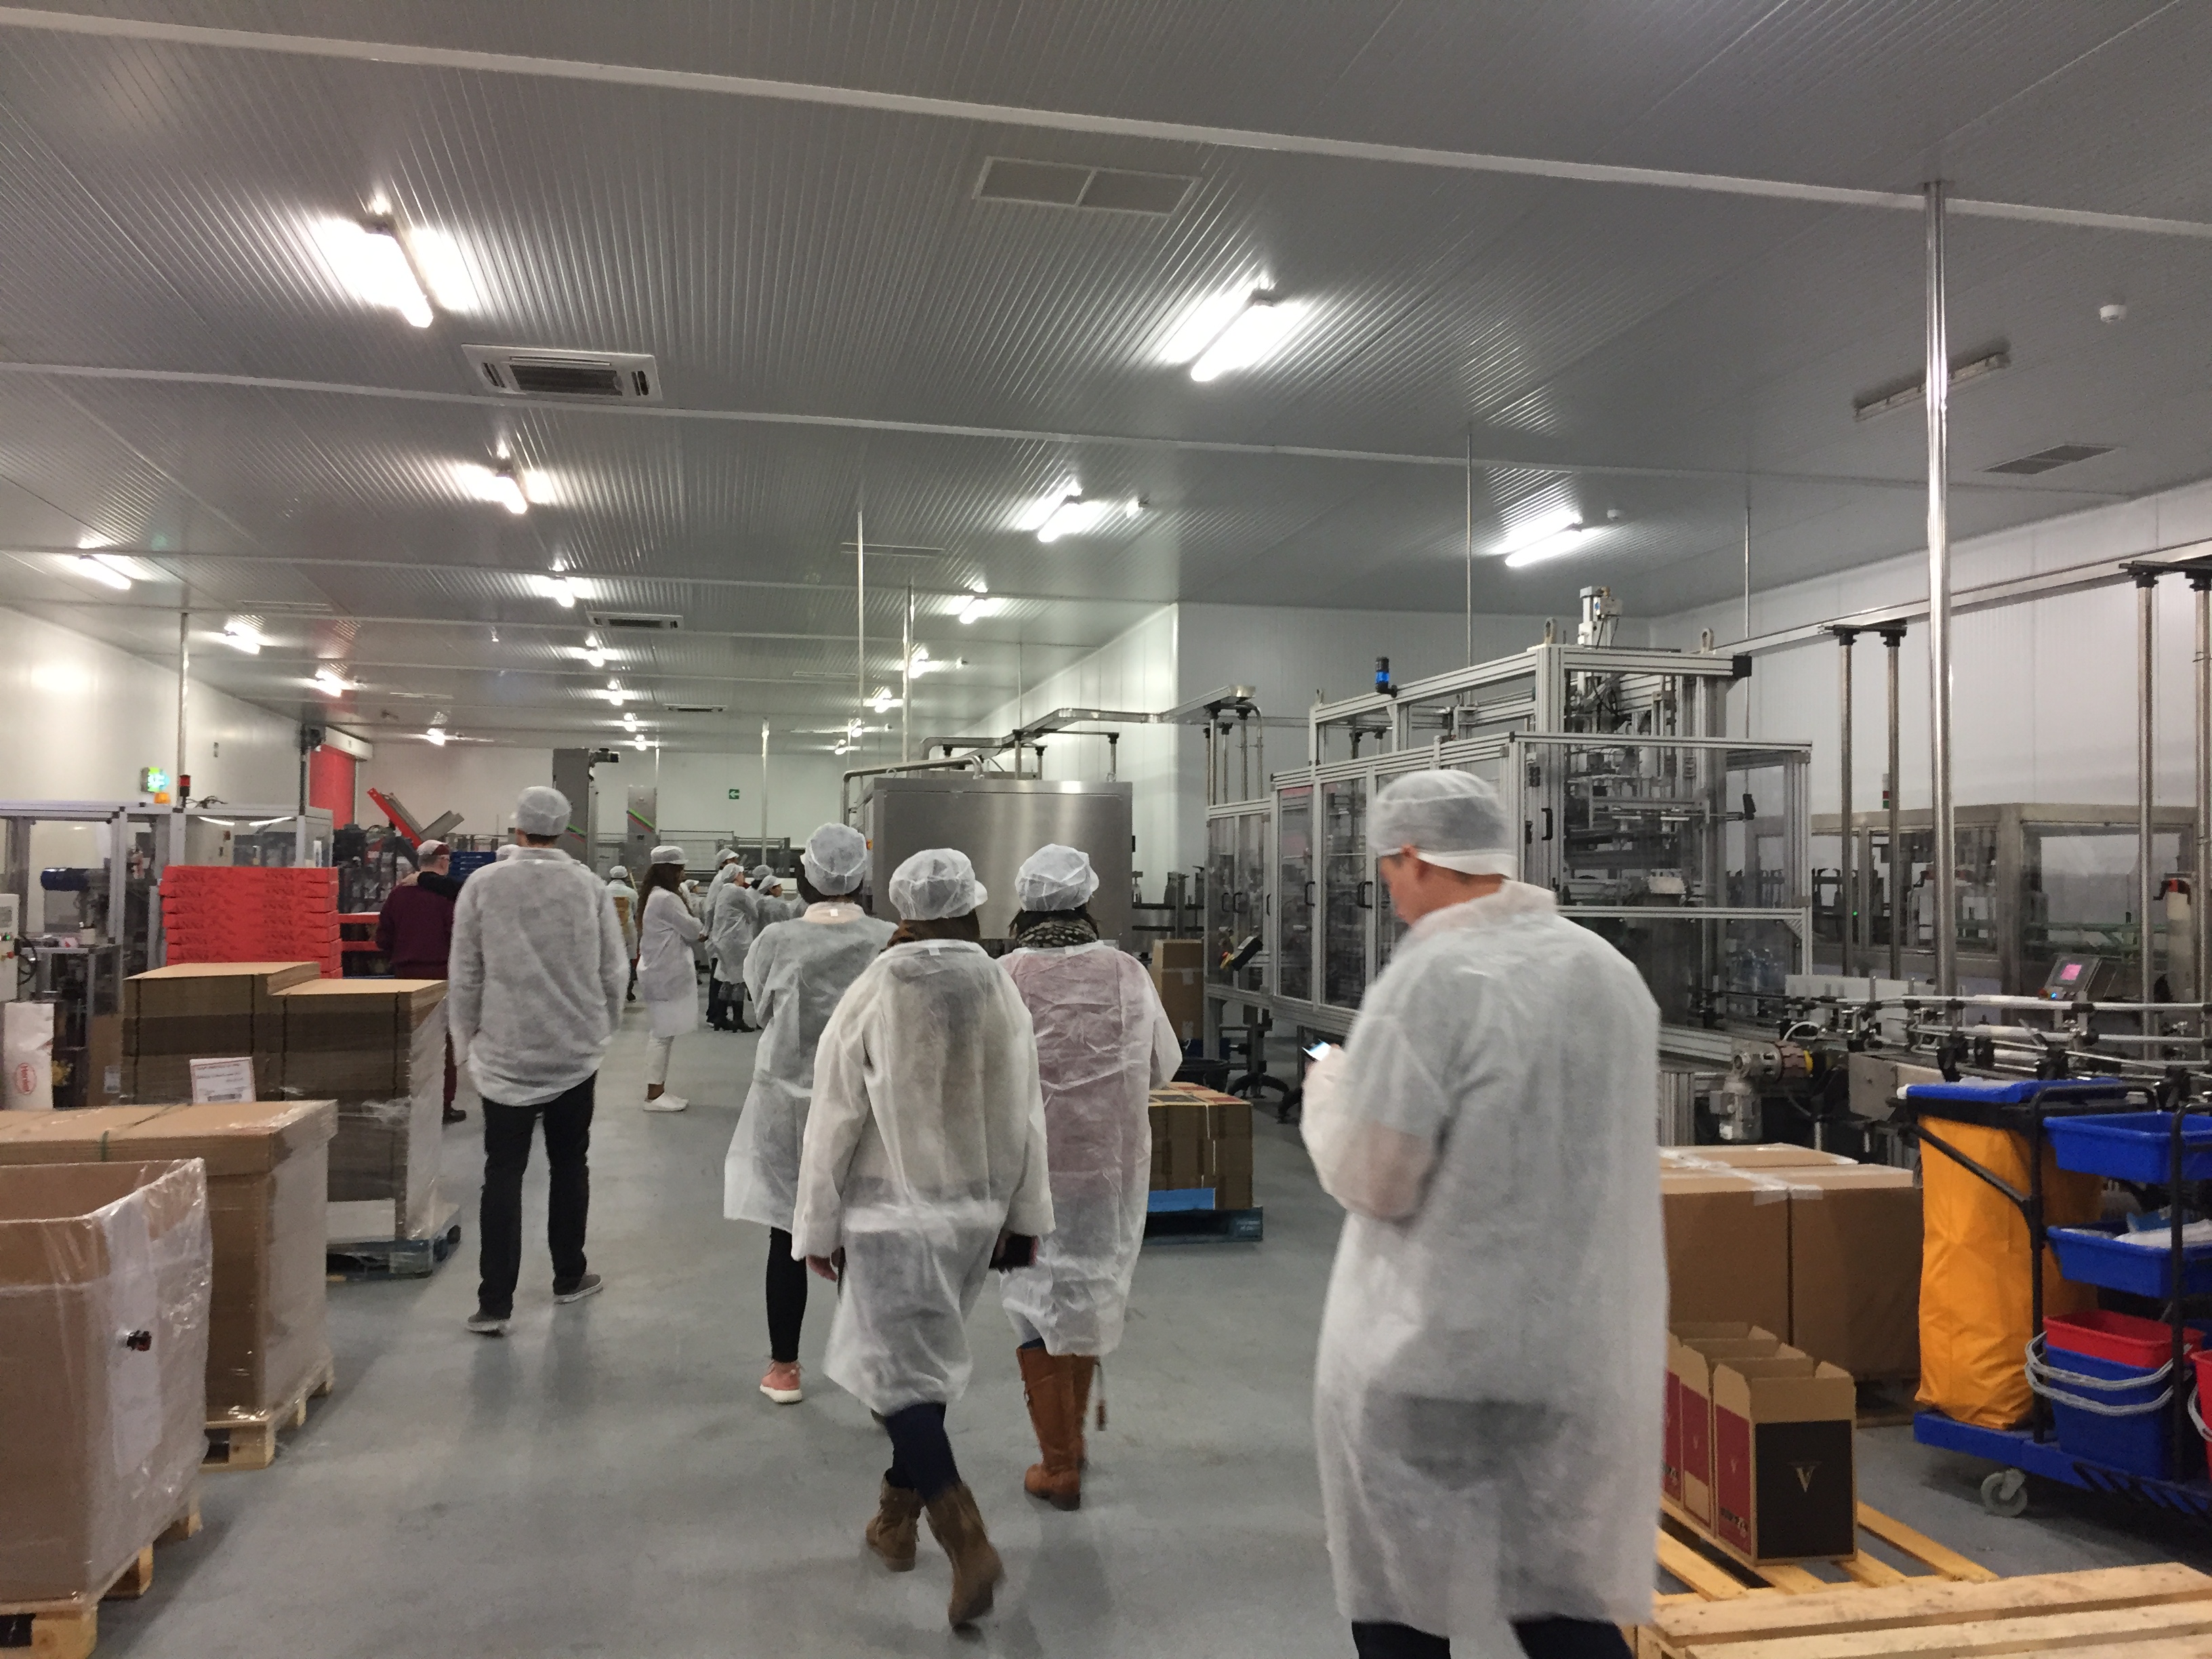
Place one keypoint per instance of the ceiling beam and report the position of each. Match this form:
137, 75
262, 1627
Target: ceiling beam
1117, 126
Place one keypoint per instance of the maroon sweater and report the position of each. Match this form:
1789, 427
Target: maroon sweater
415, 929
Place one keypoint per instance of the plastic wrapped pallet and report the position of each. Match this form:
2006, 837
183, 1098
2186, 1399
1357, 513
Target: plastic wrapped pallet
378, 1048
206, 1010
267, 1168
105, 1276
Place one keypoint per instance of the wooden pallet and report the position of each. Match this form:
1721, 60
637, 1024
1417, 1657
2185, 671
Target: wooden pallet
68, 1628
1713, 1575
250, 1443
396, 1258
2162, 1611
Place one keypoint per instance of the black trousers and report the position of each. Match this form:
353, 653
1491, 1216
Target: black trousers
786, 1298
1540, 1638
921, 1456
508, 1131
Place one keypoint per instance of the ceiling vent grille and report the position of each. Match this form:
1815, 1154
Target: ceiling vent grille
697, 708
630, 377
2045, 460
636, 621
1101, 189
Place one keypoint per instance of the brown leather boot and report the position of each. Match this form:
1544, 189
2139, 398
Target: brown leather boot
958, 1524
1048, 1383
1086, 1365
892, 1533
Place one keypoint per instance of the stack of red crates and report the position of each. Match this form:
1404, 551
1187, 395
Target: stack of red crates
245, 912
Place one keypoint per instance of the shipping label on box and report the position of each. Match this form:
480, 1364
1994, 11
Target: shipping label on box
1785, 1485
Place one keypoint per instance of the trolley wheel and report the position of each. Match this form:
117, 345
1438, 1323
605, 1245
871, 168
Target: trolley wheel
2005, 1494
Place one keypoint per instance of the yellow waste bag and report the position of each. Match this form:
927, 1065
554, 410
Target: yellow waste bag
1976, 1312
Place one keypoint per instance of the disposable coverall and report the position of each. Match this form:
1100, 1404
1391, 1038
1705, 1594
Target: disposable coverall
625, 901
667, 973
1104, 1042
796, 971
1487, 1402
924, 1139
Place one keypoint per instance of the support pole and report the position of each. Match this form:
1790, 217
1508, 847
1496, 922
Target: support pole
1847, 875
1892, 637
2146, 778
1943, 861
1470, 549
906, 683
2200, 902
764, 791
183, 693
859, 614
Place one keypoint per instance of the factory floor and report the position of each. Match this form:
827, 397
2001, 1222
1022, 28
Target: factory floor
606, 1480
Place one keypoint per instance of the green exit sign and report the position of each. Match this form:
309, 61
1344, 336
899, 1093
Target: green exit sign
733, 794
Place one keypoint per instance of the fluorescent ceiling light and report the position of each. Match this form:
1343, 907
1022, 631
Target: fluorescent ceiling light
1254, 334
436, 735
1205, 323
503, 487
563, 591
368, 260
978, 603
331, 683
883, 701
637, 743
437, 258
630, 722
242, 636
595, 657
1544, 537
95, 568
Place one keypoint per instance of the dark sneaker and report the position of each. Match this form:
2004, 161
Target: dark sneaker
589, 1284
455, 1114
491, 1324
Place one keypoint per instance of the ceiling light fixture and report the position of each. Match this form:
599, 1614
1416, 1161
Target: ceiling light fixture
241, 636
96, 569
1222, 337
883, 703
437, 258
505, 489
630, 722
369, 261
978, 603
331, 683
436, 736
637, 743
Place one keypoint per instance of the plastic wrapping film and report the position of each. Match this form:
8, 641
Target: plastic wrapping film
385, 1156
106, 1281
1767, 1186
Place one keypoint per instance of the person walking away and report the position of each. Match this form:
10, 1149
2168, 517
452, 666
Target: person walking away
534, 992
1486, 1400
667, 972
730, 928
1103, 1043
797, 970
726, 866
626, 907
414, 934
772, 905
923, 1164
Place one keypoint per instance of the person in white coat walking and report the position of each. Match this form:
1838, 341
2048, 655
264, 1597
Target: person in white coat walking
626, 907
667, 972
535, 979
797, 971
1487, 1402
1103, 1043
923, 1164
733, 921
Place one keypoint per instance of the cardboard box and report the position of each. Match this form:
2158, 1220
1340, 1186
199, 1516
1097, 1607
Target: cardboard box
1671, 1448
1689, 1362
357, 1039
1854, 1269
1785, 1485
204, 1010
1771, 1155
1230, 1173
1728, 1249
1179, 953
267, 1171
1182, 993
104, 1277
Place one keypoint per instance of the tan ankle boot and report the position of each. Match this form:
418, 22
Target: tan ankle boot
958, 1524
1048, 1383
891, 1534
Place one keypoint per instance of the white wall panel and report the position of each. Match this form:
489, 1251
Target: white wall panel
479, 782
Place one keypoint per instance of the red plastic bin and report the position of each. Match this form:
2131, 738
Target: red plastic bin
2123, 1339
2201, 1410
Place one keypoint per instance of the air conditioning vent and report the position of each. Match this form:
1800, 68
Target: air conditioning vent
697, 708
1061, 184
648, 621
544, 371
2044, 460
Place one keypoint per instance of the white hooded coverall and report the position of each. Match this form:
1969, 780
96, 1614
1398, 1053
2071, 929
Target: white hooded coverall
1104, 1042
926, 1139
1487, 1399
796, 972
667, 972
731, 926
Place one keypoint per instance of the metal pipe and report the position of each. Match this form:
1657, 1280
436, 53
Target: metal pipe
965, 762
184, 688
2146, 772
764, 791
1943, 866
906, 682
860, 611
1892, 637
1848, 885
2200, 911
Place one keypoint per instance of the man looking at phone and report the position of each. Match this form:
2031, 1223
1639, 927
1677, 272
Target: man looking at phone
1487, 1400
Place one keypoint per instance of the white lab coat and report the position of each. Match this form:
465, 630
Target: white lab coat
667, 973
1487, 1399
623, 890
796, 971
731, 925
925, 1140
1104, 1042
535, 976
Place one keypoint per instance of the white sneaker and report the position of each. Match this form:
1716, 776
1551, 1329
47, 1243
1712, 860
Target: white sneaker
666, 1103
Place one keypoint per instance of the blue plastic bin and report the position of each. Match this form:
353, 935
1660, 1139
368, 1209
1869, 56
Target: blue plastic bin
2016, 1091
2095, 1255
2132, 1145
2142, 1444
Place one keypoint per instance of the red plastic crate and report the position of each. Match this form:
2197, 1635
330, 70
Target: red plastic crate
2122, 1339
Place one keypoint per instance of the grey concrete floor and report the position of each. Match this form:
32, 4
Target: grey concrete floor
608, 1480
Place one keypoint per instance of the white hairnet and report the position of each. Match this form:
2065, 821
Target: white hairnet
1055, 877
936, 883
760, 872
618, 873
1450, 818
668, 855
835, 856
727, 855
541, 809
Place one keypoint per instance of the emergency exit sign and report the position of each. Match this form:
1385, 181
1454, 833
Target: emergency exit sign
733, 794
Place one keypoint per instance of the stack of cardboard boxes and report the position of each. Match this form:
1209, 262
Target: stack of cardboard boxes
248, 913
1179, 975
190, 1010
377, 1047
1822, 1251
1202, 1142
